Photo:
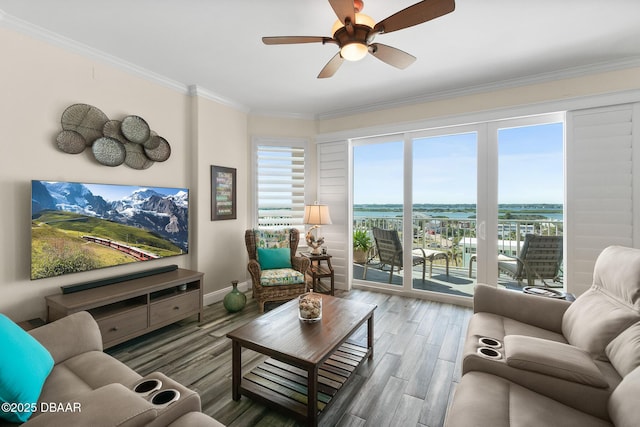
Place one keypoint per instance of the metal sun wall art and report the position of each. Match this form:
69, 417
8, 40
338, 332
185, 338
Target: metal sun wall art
113, 142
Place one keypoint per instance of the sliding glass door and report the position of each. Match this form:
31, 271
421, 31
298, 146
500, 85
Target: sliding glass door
444, 200
378, 204
414, 202
530, 201
439, 210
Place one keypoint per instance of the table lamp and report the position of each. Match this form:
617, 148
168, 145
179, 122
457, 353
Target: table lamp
316, 215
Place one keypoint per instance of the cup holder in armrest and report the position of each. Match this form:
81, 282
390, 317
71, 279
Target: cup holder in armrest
165, 397
490, 342
490, 353
147, 386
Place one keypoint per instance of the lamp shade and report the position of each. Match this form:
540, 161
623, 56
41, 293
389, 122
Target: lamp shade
317, 214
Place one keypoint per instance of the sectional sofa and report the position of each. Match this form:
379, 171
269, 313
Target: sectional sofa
63, 378
536, 361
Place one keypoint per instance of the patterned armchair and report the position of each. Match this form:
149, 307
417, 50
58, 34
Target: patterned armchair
276, 272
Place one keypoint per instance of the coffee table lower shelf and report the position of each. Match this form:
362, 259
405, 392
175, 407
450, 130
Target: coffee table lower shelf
285, 386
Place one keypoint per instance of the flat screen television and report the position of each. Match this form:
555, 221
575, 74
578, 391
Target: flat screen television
79, 227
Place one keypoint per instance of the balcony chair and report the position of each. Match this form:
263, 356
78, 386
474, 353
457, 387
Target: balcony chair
276, 272
540, 258
389, 250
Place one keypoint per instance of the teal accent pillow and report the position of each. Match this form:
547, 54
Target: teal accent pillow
271, 258
24, 366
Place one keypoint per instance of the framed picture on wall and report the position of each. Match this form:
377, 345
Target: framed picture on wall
223, 193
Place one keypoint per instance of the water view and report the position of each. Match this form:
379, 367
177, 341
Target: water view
460, 211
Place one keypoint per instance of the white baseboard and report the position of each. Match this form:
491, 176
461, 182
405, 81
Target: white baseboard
217, 296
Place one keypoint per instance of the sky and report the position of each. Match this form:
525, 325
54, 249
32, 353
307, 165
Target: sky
530, 168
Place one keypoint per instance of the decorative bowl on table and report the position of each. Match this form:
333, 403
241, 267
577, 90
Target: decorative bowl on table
310, 307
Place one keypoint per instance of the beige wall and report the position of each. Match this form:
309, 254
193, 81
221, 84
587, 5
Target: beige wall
500, 99
221, 140
37, 82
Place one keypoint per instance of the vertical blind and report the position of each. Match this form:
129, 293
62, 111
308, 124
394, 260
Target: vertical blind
280, 186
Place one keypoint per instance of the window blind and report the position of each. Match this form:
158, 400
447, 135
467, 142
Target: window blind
280, 186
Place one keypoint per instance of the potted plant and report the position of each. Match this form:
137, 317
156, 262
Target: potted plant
361, 246
455, 251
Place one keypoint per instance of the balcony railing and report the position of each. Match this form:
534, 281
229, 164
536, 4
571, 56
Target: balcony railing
458, 236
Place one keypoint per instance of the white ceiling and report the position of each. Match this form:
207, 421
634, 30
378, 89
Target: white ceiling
216, 45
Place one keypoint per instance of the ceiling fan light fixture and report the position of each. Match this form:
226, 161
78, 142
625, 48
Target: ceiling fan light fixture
364, 19
354, 51
361, 19
336, 26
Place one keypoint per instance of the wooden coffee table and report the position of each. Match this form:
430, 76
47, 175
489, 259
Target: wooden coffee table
306, 359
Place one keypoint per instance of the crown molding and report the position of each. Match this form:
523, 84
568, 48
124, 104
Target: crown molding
74, 46
24, 27
197, 91
566, 73
283, 115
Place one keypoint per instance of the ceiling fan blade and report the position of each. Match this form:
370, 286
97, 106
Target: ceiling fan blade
417, 14
331, 67
295, 40
344, 9
391, 55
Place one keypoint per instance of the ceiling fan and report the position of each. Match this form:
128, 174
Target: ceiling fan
354, 32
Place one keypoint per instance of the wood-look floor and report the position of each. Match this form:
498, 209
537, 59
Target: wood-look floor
409, 382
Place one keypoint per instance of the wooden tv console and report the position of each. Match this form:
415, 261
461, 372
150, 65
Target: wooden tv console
134, 307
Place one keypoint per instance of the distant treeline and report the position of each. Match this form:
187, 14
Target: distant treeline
539, 208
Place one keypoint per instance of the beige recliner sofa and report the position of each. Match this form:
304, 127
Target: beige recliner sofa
535, 361
101, 387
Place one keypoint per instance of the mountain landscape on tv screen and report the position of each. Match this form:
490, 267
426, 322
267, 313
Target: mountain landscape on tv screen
78, 227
